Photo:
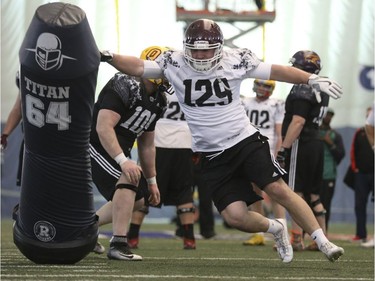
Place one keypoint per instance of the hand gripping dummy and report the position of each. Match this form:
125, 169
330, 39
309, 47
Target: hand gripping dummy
55, 221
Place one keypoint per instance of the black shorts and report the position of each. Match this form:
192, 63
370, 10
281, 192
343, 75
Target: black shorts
174, 169
229, 174
305, 166
106, 173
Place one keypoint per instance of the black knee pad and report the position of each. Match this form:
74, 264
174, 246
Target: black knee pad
127, 186
314, 204
185, 210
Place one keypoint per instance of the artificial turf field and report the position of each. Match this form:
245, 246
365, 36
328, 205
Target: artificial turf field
223, 258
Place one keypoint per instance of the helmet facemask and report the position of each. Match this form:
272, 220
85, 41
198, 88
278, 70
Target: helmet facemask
263, 88
202, 64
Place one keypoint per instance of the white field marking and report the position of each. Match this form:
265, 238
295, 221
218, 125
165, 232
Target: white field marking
41, 266
196, 277
323, 259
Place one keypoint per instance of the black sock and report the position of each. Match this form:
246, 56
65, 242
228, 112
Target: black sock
133, 231
188, 231
118, 239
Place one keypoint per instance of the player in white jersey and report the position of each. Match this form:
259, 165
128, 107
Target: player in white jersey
265, 112
369, 129
207, 82
174, 169
267, 115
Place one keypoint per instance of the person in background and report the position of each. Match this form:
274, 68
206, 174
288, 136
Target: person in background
362, 163
174, 169
206, 79
302, 150
334, 152
13, 120
369, 128
267, 114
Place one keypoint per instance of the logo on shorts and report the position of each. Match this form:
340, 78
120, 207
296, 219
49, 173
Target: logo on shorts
44, 231
48, 51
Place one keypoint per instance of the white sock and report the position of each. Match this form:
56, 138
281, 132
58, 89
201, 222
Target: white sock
273, 226
319, 237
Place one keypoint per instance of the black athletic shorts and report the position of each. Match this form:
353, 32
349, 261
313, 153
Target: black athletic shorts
229, 173
305, 169
174, 169
105, 174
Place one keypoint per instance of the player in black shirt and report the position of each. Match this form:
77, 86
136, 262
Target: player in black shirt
304, 111
126, 110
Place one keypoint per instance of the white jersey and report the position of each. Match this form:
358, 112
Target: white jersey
211, 100
172, 131
265, 115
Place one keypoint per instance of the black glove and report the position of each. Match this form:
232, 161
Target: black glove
4, 141
282, 156
106, 56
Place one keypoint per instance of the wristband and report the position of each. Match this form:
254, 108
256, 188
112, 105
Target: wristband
106, 56
121, 158
311, 78
151, 180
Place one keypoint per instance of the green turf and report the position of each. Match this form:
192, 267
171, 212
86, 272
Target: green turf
224, 259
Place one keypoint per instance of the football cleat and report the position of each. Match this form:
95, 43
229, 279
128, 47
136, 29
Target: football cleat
133, 243
99, 248
296, 241
255, 240
368, 244
332, 252
284, 249
121, 251
189, 244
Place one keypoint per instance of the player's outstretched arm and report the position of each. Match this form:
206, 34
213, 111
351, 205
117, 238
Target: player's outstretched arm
296, 76
126, 64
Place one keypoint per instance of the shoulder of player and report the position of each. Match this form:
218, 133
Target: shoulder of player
237, 52
171, 57
238, 55
301, 91
275, 101
248, 100
120, 80
127, 88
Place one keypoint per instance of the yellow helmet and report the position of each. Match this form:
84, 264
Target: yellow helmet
151, 53
263, 88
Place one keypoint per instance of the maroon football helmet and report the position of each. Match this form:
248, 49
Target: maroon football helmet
203, 34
